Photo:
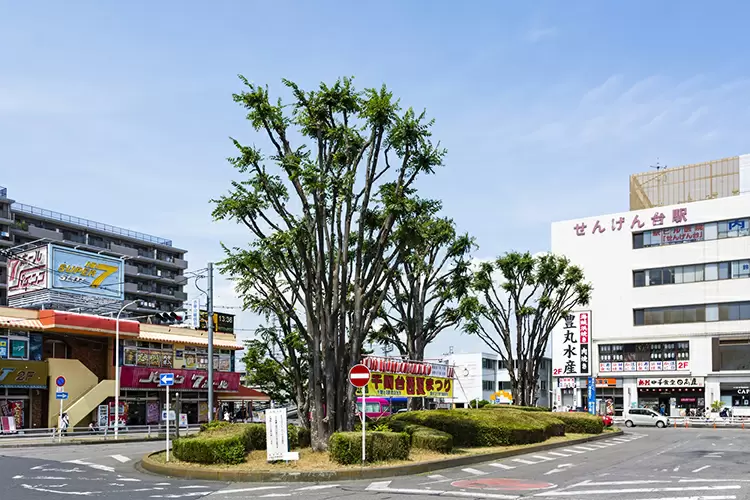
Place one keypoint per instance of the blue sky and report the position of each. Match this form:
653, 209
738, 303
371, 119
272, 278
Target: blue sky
121, 111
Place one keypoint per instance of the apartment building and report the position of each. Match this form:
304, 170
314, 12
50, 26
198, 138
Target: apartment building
668, 325
153, 268
481, 374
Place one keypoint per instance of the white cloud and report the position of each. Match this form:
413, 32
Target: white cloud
538, 34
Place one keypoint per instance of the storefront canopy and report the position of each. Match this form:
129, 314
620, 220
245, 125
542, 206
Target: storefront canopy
244, 394
187, 340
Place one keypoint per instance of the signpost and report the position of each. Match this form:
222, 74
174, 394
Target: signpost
166, 380
62, 396
592, 395
359, 376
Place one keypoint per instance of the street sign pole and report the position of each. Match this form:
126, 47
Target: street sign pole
167, 423
364, 423
59, 426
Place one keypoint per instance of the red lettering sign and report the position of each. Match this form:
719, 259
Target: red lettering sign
139, 377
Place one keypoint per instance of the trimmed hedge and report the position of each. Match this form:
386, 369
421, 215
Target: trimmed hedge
424, 437
480, 428
225, 443
520, 408
581, 423
346, 447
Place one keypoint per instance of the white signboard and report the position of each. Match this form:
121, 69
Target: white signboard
571, 341
439, 370
28, 271
102, 415
670, 382
277, 445
195, 314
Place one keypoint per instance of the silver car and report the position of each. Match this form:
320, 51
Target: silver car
645, 417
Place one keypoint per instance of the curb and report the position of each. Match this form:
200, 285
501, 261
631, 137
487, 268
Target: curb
217, 474
68, 442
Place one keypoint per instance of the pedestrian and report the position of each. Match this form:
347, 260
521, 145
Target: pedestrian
226, 415
65, 423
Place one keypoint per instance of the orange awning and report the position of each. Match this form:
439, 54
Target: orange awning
244, 394
20, 323
186, 339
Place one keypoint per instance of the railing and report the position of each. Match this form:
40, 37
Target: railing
105, 434
29, 209
703, 422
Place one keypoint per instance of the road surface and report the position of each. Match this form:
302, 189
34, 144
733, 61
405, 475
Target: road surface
644, 464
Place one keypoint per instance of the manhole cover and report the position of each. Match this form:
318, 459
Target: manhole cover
502, 484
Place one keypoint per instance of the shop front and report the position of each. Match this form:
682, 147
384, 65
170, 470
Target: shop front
21, 383
571, 392
736, 396
672, 396
609, 396
189, 393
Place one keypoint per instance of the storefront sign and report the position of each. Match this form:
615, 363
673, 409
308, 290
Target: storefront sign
138, 377
671, 382
27, 271
570, 345
566, 382
592, 396
388, 384
23, 374
606, 382
102, 416
743, 390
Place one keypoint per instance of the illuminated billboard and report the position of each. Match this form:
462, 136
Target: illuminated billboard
86, 273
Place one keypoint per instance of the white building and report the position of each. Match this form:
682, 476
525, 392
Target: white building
480, 374
670, 311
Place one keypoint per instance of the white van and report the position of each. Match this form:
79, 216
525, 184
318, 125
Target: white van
645, 417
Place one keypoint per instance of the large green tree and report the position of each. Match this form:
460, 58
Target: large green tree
320, 209
423, 298
519, 299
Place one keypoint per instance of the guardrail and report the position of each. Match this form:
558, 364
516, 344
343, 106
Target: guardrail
129, 431
711, 421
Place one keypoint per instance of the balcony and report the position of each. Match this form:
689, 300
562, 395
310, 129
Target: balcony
131, 270
41, 233
123, 250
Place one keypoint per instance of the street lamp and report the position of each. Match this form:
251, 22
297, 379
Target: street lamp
117, 365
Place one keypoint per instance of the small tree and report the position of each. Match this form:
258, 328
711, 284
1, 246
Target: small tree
424, 295
515, 314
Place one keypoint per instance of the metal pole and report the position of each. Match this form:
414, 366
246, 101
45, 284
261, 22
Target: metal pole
117, 366
210, 311
364, 423
60, 425
167, 423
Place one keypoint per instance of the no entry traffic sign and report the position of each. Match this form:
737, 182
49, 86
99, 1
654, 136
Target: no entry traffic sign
359, 375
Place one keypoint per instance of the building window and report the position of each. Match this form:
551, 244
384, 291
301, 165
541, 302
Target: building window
692, 232
692, 273
489, 364
542, 386
14, 345
488, 385
700, 313
151, 354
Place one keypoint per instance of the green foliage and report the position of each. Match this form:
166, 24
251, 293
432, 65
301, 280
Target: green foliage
298, 437
515, 407
716, 406
482, 403
346, 447
221, 444
424, 437
214, 424
581, 423
380, 427
478, 428
520, 296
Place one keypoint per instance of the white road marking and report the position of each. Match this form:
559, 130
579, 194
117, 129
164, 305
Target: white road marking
42, 467
638, 490
162, 484
324, 486
702, 468
501, 466
714, 481
573, 451
584, 448
93, 466
383, 486
619, 440
42, 478
540, 457
43, 490
120, 458
622, 483
133, 480
471, 471
270, 495
196, 486
553, 453
435, 476
525, 462
673, 470
181, 495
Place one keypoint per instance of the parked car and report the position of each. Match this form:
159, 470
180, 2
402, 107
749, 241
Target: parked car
644, 417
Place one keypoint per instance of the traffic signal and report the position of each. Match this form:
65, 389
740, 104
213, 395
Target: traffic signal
168, 318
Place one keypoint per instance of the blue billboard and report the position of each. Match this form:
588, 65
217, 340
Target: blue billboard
86, 273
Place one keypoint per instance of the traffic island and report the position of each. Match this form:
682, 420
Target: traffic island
317, 467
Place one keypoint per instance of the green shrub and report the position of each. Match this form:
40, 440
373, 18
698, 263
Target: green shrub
298, 437
424, 437
346, 447
484, 428
214, 424
304, 437
221, 444
520, 408
581, 423
482, 403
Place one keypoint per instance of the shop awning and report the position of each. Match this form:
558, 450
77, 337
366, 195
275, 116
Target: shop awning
244, 394
20, 323
188, 340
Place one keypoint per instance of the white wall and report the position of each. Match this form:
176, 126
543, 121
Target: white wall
608, 261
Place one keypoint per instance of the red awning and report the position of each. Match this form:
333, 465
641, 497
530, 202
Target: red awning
244, 394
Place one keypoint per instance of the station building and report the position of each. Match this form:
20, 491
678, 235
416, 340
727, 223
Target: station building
668, 324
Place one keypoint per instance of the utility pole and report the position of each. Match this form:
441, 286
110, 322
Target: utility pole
210, 311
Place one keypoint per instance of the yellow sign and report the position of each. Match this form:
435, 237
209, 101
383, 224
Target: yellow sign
23, 374
402, 385
501, 397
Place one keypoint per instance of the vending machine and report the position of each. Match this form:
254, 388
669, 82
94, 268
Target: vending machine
123, 414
